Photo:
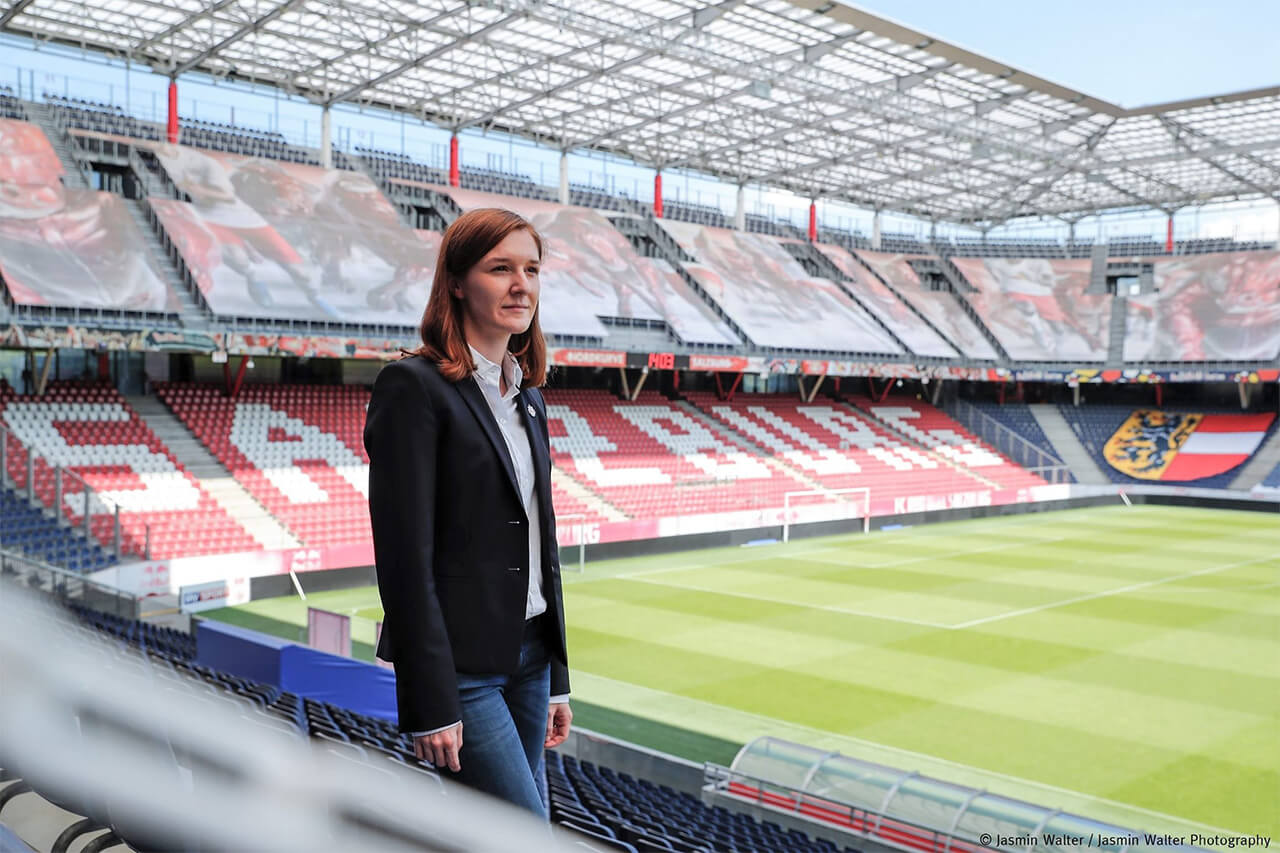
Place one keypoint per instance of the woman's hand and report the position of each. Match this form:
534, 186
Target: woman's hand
558, 718
442, 748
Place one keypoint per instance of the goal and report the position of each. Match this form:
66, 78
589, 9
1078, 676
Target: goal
581, 530
853, 502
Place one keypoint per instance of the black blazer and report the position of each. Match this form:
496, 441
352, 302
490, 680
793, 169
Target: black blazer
450, 537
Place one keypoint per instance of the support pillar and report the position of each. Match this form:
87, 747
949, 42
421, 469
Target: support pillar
564, 177
455, 176
326, 137
42, 381
657, 195
232, 386
172, 126
727, 394
875, 231
740, 211
817, 386
813, 221
1168, 239
636, 389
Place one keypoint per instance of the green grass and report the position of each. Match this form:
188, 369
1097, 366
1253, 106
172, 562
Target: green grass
1121, 663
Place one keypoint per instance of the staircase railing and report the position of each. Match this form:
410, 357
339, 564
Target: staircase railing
67, 587
1007, 442
68, 140
647, 226
67, 485
826, 269
391, 191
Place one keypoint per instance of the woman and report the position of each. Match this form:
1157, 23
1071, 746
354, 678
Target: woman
463, 527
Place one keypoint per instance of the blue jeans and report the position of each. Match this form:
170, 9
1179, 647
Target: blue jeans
504, 726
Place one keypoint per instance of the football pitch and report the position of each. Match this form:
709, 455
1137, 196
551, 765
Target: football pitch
1123, 663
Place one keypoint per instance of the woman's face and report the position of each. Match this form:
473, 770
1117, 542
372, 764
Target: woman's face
500, 293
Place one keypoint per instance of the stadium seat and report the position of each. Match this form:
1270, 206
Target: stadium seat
91, 431
297, 449
650, 458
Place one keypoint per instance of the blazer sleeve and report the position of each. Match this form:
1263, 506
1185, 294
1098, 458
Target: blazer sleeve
559, 670
401, 438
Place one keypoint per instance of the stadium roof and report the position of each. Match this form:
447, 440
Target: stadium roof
808, 95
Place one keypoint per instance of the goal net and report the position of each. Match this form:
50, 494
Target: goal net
805, 507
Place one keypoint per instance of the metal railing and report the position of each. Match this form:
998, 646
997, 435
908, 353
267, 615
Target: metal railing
73, 501
66, 587
1007, 442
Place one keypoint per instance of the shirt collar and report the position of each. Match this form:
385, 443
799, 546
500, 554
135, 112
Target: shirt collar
488, 372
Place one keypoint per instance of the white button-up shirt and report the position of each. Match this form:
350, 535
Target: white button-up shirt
504, 408
506, 413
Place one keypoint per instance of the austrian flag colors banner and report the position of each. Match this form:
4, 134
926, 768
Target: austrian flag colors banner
1179, 447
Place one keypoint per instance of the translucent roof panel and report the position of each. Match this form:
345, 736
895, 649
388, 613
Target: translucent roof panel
822, 99
894, 795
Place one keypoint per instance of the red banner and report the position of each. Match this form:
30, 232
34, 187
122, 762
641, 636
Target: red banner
588, 358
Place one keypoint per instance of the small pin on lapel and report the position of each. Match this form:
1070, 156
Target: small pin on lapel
533, 413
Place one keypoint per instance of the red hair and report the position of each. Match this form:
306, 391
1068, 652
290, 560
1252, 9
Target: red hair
472, 236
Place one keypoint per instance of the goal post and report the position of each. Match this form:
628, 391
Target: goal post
580, 530
861, 506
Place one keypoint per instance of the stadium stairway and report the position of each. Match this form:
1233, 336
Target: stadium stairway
190, 313
214, 478
813, 259
862, 409
563, 482
42, 115
1264, 460
645, 225
403, 210
1115, 345
1067, 445
747, 444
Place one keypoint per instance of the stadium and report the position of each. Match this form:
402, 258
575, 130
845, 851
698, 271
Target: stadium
915, 456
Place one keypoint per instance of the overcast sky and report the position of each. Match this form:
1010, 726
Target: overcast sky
1131, 52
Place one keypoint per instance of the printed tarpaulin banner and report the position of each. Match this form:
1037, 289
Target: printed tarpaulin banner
1175, 446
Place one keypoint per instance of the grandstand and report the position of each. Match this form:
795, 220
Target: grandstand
193, 311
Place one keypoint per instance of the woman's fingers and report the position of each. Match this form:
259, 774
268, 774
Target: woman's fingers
441, 748
559, 718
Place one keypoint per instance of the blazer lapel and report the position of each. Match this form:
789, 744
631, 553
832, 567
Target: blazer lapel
474, 398
540, 452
